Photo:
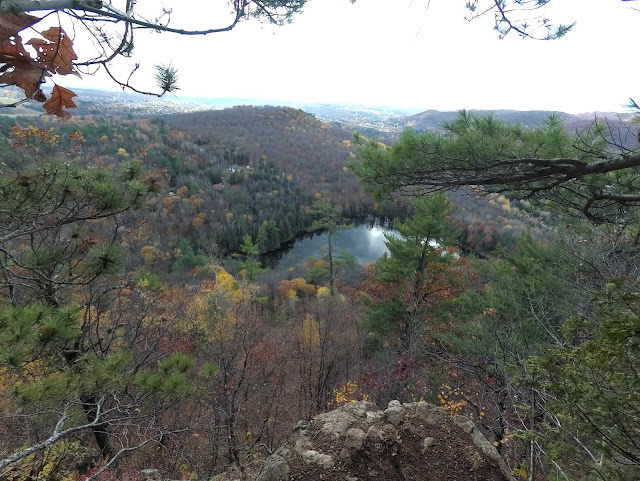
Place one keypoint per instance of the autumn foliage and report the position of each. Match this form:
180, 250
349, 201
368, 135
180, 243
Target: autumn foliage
28, 64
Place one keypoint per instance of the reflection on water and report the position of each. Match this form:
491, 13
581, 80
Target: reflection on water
365, 242
376, 237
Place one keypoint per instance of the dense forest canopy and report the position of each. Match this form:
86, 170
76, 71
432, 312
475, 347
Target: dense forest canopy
139, 330
133, 299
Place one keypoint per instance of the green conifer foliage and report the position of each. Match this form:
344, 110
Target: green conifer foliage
329, 220
251, 265
591, 390
65, 362
586, 175
405, 270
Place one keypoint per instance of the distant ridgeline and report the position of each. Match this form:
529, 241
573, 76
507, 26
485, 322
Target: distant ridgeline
621, 125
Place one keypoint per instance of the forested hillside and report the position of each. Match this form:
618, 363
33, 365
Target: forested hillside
312, 152
315, 154
216, 191
476, 272
257, 170
130, 338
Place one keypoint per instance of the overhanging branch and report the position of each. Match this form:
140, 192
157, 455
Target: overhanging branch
98, 7
19, 6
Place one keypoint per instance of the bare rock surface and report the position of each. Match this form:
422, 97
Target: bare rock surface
404, 442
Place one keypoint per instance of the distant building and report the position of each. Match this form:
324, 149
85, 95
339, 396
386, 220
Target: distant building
234, 168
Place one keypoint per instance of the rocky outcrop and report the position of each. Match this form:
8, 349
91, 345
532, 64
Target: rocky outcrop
405, 442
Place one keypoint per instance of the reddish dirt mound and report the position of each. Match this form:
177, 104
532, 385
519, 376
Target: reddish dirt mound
358, 442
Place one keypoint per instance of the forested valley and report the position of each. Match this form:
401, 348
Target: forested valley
139, 328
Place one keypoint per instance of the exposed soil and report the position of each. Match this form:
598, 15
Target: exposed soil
405, 442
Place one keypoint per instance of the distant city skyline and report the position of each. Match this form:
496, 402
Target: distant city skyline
415, 54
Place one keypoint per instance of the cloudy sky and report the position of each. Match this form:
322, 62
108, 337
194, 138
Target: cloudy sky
402, 53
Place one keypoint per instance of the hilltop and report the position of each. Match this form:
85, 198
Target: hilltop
311, 152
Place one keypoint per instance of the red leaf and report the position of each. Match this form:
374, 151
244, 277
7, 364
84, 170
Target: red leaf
60, 98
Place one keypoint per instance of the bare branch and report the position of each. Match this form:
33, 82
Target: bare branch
55, 436
112, 31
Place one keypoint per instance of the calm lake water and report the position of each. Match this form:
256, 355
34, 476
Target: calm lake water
365, 242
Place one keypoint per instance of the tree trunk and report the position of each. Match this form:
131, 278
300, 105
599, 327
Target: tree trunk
100, 431
330, 265
90, 408
18, 6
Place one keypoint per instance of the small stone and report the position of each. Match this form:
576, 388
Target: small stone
336, 423
434, 416
375, 435
350, 478
275, 469
394, 414
325, 461
373, 416
302, 444
368, 406
427, 443
423, 408
389, 428
310, 456
345, 455
354, 439
464, 423
360, 409
283, 451
314, 457
394, 404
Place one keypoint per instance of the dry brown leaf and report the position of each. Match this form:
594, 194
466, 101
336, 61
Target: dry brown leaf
12, 50
18, 68
60, 99
39, 96
26, 76
55, 55
12, 23
55, 51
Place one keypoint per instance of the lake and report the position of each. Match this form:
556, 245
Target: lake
364, 241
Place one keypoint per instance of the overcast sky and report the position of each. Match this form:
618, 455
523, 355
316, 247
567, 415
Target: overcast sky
403, 53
